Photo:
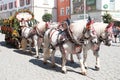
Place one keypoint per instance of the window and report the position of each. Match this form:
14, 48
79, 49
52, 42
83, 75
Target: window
15, 4
22, 3
45, 11
112, 0
45, 2
27, 2
10, 5
61, 0
0, 7
62, 11
5, 7
67, 10
10, 13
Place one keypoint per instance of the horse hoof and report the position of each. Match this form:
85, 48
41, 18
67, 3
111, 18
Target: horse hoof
53, 66
37, 57
83, 73
72, 61
44, 63
86, 67
97, 68
64, 72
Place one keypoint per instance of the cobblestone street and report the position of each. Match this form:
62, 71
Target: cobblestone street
16, 65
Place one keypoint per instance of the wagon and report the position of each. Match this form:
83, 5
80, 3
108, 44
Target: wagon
12, 36
12, 30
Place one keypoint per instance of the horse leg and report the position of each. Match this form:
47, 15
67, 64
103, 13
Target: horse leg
46, 54
36, 47
52, 58
97, 66
40, 45
64, 59
23, 44
71, 58
80, 58
84, 58
30, 48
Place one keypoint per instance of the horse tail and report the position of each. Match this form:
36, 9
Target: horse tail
23, 43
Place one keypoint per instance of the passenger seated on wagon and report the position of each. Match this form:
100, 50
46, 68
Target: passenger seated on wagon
23, 23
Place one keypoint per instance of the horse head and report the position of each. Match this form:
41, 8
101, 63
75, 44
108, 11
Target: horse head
64, 25
106, 38
90, 34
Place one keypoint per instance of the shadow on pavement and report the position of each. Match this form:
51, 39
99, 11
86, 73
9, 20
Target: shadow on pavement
3, 44
24, 53
58, 63
45, 66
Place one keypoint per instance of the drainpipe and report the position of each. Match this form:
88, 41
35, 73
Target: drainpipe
32, 6
84, 9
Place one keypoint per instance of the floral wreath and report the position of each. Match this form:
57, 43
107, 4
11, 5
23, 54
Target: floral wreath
24, 11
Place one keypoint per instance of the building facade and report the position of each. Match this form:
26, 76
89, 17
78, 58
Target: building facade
63, 10
39, 8
95, 9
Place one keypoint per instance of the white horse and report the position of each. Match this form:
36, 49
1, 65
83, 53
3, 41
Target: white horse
35, 35
69, 42
104, 34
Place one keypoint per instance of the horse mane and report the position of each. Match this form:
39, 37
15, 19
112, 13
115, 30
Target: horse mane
76, 30
78, 26
41, 26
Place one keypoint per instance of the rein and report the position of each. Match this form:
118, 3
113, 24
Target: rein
50, 34
70, 36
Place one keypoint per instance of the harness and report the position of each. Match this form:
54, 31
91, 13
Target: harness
30, 33
39, 32
70, 36
59, 41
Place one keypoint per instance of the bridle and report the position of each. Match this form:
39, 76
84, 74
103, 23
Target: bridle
107, 38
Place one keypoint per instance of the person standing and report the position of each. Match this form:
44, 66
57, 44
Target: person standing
23, 23
68, 21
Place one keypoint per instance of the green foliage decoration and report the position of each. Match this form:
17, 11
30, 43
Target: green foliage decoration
107, 18
47, 17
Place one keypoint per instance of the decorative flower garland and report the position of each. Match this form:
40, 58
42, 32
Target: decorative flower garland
24, 11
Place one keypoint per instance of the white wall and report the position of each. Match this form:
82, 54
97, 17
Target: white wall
41, 3
117, 5
98, 4
40, 7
